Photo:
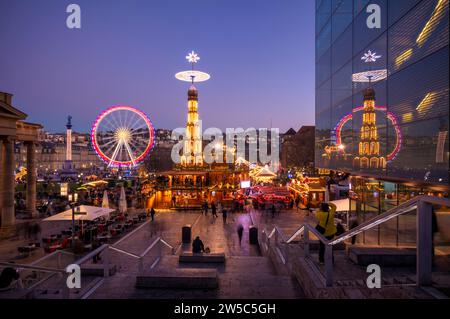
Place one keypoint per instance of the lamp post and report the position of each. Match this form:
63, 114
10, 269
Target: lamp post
72, 206
73, 203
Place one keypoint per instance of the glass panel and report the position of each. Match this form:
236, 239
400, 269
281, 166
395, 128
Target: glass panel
424, 154
323, 41
398, 8
407, 229
342, 50
426, 94
342, 16
359, 5
323, 68
323, 13
363, 35
421, 32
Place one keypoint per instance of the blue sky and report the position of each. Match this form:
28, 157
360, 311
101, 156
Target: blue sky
260, 54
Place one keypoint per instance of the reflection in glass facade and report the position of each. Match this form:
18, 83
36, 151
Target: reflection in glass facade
410, 82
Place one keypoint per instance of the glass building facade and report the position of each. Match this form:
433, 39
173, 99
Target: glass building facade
408, 132
390, 133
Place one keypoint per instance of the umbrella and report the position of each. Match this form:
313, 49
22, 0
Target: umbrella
82, 212
342, 205
105, 201
122, 201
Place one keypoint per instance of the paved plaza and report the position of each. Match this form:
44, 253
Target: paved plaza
245, 274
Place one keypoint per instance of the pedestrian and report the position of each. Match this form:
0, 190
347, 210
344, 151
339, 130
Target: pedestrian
219, 207
273, 210
325, 226
205, 207
240, 231
297, 202
174, 200
197, 246
213, 209
152, 214
224, 215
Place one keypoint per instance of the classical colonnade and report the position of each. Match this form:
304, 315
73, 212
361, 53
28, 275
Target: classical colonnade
14, 129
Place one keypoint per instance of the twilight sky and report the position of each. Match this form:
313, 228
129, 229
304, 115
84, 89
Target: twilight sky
260, 54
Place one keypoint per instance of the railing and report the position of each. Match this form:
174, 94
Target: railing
276, 239
60, 269
157, 245
423, 204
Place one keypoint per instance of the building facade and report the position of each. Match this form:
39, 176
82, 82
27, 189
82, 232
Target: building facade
51, 156
382, 99
297, 148
13, 129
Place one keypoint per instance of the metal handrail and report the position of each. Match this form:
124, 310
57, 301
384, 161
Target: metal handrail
405, 207
23, 266
124, 252
421, 203
150, 247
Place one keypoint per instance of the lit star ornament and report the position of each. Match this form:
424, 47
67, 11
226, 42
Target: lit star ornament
370, 57
192, 57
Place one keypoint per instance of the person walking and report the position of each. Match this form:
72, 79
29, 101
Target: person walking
297, 202
240, 231
325, 226
205, 207
214, 209
224, 216
174, 201
152, 214
219, 207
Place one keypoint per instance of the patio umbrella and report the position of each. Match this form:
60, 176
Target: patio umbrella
122, 201
82, 212
105, 201
342, 205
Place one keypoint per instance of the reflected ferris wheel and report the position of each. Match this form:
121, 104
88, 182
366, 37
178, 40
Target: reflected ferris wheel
122, 136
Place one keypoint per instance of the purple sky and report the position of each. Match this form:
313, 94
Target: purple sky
260, 54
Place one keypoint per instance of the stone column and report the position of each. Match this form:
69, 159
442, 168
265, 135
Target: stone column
31, 179
8, 183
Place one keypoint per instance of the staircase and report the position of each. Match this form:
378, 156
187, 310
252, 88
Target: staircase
345, 276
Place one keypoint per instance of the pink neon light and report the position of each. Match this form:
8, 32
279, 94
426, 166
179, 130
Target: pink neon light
391, 116
105, 158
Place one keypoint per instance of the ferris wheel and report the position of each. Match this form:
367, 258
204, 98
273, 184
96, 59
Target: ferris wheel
122, 136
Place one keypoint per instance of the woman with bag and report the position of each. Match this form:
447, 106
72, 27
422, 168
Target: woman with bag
325, 225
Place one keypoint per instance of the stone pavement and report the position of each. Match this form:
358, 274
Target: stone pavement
288, 221
222, 237
245, 273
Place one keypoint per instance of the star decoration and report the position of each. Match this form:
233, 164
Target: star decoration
192, 57
370, 57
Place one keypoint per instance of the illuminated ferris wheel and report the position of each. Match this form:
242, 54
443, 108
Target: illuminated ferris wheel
122, 136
